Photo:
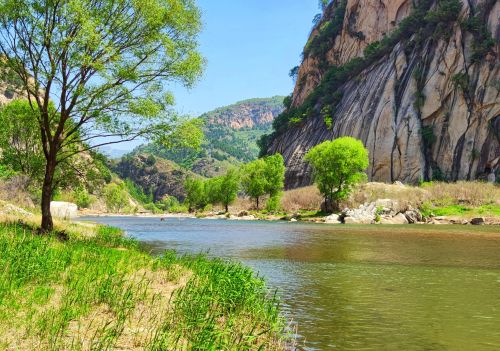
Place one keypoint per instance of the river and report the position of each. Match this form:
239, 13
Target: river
418, 287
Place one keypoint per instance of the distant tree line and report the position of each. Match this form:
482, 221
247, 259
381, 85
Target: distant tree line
257, 179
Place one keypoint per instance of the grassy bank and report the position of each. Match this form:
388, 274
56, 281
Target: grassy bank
101, 292
460, 199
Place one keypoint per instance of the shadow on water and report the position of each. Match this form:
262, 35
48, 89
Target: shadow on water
359, 288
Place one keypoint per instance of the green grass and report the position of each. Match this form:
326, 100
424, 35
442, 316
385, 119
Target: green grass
103, 292
491, 210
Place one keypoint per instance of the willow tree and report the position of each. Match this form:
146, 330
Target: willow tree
103, 64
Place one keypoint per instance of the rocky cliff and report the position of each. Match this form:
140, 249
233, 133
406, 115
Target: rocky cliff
251, 113
417, 81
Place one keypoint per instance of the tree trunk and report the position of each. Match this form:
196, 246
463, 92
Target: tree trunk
257, 200
47, 223
226, 207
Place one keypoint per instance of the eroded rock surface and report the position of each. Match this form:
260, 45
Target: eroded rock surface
453, 131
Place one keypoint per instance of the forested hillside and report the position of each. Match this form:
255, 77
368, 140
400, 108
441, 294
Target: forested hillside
231, 135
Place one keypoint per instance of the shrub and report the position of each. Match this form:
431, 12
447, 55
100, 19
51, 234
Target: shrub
116, 197
82, 197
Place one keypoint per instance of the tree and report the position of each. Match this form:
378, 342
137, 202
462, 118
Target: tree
337, 166
196, 197
253, 180
274, 174
116, 197
212, 188
103, 64
229, 187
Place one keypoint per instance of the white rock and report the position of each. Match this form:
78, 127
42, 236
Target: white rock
397, 219
358, 220
332, 219
63, 210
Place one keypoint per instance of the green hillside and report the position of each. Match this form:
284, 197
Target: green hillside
231, 134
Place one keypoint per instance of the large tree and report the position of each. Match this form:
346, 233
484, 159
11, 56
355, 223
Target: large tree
103, 64
337, 166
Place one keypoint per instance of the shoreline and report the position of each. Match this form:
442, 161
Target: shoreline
289, 218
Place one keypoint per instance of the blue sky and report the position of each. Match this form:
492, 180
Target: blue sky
250, 47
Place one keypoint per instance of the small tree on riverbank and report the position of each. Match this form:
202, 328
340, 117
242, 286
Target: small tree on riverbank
265, 176
196, 196
253, 180
229, 187
337, 166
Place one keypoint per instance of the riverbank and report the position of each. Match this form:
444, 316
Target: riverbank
92, 288
370, 203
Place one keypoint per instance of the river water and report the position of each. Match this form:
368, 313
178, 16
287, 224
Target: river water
430, 288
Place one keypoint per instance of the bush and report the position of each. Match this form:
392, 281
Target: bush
82, 197
273, 204
116, 197
6, 172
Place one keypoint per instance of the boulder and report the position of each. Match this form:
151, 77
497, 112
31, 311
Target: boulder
413, 216
397, 219
359, 220
243, 213
63, 210
478, 221
333, 219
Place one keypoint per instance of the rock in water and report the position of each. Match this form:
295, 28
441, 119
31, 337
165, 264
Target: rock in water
63, 210
332, 219
478, 221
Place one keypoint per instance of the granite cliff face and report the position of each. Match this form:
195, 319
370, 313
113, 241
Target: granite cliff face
423, 96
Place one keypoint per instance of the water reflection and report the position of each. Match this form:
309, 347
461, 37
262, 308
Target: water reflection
359, 288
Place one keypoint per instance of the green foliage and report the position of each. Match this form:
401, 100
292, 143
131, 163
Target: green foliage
101, 270
274, 174
273, 204
483, 40
446, 12
294, 73
428, 136
196, 196
82, 197
319, 45
264, 176
253, 179
421, 24
229, 187
20, 140
138, 193
461, 80
6, 172
116, 197
222, 140
106, 64
337, 166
